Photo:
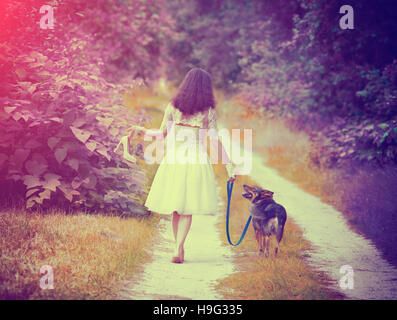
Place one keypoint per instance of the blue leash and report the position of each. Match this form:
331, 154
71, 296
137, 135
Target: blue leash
229, 197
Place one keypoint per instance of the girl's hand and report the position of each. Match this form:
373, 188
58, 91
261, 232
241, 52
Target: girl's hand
231, 171
134, 128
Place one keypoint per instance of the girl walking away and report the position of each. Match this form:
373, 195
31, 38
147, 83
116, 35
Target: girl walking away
184, 184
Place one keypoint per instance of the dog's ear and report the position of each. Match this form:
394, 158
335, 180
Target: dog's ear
248, 188
266, 194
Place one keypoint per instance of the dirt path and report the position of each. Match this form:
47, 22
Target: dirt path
335, 243
206, 260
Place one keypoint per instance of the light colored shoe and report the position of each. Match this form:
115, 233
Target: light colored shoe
126, 155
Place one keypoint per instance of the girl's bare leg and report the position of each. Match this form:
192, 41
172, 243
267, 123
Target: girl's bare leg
184, 223
174, 221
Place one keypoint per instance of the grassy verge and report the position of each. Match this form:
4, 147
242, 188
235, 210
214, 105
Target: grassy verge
287, 277
89, 254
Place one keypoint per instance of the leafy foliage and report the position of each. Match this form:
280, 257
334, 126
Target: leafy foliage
60, 116
364, 141
61, 89
291, 59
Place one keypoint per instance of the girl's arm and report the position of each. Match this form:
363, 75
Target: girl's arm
166, 124
215, 142
230, 167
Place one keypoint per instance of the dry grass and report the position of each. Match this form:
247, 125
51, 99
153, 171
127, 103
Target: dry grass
286, 277
89, 254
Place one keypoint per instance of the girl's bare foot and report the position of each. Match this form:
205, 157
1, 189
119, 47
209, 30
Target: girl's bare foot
176, 260
179, 255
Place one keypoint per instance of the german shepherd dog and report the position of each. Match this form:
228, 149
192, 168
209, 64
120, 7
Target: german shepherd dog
268, 217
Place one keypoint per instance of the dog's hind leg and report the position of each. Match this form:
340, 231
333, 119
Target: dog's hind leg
266, 242
279, 236
276, 249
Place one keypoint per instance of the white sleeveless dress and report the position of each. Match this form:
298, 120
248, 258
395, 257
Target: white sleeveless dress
185, 180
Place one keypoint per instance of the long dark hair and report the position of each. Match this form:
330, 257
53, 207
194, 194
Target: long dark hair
194, 93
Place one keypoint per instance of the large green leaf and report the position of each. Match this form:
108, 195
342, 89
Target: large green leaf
31, 181
52, 141
103, 151
92, 182
68, 192
80, 134
74, 163
9, 109
46, 194
91, 145
35, 168
20, 156
51, 181
60, 154
32, 144
32, 201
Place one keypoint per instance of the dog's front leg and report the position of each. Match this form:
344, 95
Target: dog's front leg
258, 235
276, 250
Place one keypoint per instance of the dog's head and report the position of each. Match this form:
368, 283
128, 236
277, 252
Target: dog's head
256, 194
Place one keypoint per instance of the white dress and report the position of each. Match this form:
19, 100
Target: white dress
185, 180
